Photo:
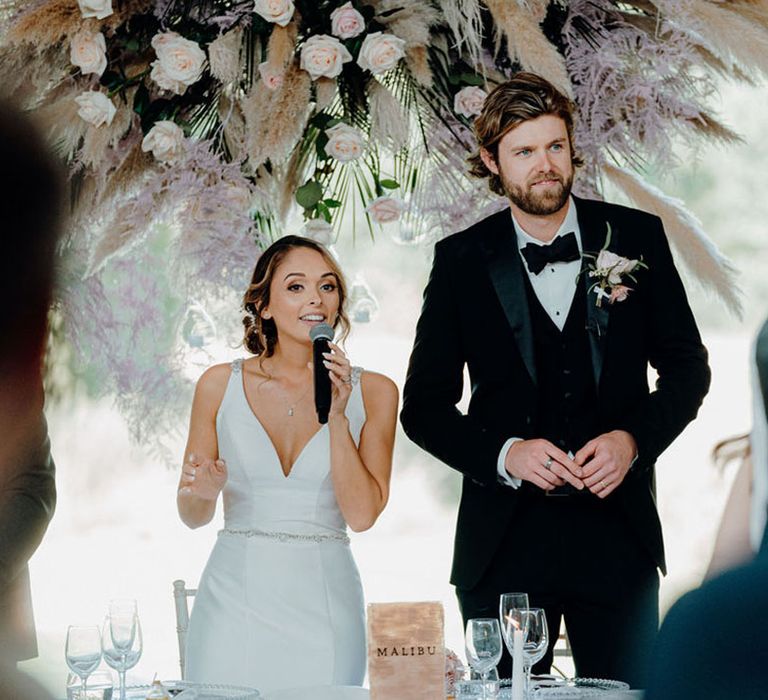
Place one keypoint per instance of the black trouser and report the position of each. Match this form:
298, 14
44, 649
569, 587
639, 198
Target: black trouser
576, 558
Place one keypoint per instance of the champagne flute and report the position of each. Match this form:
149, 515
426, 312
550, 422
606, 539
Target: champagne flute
511, 606
83, 651
483, 646
536, 640
122, 638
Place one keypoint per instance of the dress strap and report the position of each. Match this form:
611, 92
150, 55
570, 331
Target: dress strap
237, 365
355, 375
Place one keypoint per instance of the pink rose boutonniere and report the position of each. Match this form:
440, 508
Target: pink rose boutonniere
609, 271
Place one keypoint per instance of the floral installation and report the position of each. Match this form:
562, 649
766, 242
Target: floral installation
454, 670
609, 270
213, 121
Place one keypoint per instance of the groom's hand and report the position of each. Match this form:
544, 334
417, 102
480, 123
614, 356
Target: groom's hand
543, 464
606, 461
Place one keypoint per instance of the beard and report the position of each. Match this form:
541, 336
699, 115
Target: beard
549, 201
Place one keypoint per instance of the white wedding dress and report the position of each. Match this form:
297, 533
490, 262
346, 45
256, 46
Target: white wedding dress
280, 603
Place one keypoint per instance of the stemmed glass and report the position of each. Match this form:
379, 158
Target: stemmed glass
83, 651
536, 640
511, 607
483, 646
121, 637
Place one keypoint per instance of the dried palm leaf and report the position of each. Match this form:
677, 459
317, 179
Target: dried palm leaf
389, 123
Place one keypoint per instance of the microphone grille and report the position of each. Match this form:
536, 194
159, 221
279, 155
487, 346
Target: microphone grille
321, 330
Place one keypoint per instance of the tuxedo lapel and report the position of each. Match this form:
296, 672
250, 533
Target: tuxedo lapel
506, 271
592, 226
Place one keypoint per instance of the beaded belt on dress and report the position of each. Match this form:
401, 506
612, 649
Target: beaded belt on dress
287, 536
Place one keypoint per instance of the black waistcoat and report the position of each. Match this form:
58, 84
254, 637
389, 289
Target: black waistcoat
567, 398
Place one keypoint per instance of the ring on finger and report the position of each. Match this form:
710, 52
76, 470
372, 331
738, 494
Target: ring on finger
548, 463
602, 483
347, 380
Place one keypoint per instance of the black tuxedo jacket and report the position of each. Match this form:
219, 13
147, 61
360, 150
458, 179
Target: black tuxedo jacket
475, 314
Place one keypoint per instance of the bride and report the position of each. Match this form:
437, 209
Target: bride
280, 602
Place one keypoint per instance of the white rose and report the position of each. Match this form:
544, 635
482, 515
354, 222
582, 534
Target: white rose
347, 22
385, 209
166, 141
277, 11
613, 266
88, 51
469, 101
179, 62
271, 79
95, 8
380, 52
319, 230
345, 143
95, 108
323, 56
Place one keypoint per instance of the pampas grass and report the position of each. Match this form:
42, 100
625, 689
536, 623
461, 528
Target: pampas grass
281, 47
465, 20
275, 120
527, 43
48, 23
697, 251
417, 60
98, 141
411, 20
729, 34
57, 117
233, 126
224, 56
325, 92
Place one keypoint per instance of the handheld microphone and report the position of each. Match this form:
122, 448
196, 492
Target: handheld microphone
320, 335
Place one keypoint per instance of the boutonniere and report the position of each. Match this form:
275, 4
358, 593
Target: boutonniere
609, 271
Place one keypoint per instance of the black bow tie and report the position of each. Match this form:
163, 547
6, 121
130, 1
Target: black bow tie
562, 249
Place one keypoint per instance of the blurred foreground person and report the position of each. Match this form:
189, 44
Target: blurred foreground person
30, 213
713, 642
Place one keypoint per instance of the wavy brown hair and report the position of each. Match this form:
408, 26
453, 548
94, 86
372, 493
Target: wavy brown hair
261, 333
524, 97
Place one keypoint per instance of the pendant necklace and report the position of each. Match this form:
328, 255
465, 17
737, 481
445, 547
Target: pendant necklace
291, 406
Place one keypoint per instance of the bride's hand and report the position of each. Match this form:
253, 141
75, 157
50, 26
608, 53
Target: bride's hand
202, 477
340, 372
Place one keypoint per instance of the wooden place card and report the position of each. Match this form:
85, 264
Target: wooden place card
406, 651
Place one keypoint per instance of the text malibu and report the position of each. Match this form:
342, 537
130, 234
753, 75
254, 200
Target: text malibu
406, 651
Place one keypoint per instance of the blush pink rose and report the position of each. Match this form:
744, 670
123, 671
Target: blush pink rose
347, 22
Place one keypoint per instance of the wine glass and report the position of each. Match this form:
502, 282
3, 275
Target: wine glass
483, 646
511, 606
536, 640
83, 651
122, 639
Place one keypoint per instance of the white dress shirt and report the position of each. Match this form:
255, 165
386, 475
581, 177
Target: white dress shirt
554, 287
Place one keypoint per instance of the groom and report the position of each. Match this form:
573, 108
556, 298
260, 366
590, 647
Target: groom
558, 445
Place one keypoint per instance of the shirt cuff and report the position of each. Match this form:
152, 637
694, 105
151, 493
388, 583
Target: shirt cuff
504, 476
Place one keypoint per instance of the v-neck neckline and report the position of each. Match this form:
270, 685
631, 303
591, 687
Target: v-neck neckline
286, 475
